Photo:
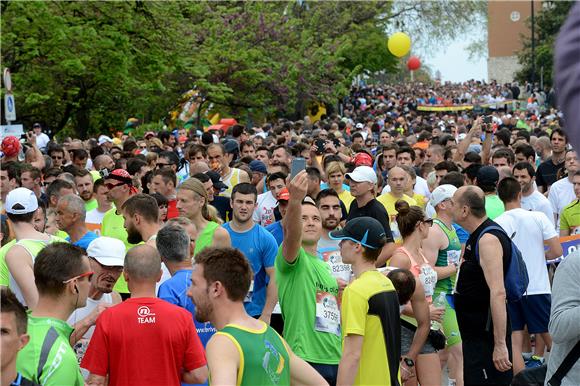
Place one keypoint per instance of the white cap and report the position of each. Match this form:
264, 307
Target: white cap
107, 251
24, 199
442, 193
103, 139
363, 174
360, 126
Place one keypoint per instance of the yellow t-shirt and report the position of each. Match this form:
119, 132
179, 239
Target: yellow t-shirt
370, 307
388, 201
346, 199
420, 199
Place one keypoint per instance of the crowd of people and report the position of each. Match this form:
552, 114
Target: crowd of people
379, 246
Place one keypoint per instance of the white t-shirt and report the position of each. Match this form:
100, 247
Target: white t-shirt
42, 140
530, 229
421, 187
538, 202
561, 194
264, 212
94, 216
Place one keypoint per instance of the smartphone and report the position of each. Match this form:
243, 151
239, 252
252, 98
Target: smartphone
488, 119
320, 146
298, 164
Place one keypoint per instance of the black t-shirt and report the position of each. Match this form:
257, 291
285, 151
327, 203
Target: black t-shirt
472, 293
547, 173
375, 210
222, 204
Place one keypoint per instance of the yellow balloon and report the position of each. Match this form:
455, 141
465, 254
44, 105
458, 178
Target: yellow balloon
399, 44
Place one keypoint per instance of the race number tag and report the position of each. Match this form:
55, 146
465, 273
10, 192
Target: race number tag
327, 313
338, 269
453, 257
248, 298
428, 278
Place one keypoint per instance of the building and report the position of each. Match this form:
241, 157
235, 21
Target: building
507, 24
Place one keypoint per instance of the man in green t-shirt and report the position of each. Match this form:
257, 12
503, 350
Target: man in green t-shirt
307, 291
245, 350
62, 275
487, 179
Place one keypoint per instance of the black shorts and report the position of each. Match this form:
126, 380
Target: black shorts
478, 368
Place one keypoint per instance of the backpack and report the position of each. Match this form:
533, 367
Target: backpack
516, 278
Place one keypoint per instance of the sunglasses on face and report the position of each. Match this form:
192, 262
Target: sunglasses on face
162, 165
428, 221
88, 275
112, 186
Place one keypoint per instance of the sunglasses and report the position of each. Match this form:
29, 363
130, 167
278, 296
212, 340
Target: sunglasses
429, 222
56, 157
88, 275
161, 165
112, 186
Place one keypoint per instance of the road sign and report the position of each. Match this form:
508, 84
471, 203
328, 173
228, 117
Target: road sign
7, 80
9, 108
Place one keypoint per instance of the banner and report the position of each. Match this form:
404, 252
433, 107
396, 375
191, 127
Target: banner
436, 108
569, 245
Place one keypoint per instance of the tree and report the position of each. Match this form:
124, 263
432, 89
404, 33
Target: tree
548, 22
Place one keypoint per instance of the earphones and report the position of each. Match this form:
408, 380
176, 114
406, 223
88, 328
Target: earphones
76, 289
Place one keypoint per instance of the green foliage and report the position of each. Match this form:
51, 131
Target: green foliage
84, 67
548, 22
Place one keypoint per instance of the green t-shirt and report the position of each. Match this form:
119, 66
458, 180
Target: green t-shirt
49, 349
264, 358
113, 225
91, 204
4, 273
493, 206
570, 217
308, 296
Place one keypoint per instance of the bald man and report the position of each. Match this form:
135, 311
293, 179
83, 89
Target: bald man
480, 295
147, 320
398, 180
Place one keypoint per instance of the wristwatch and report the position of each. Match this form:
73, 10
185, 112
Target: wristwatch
409, 362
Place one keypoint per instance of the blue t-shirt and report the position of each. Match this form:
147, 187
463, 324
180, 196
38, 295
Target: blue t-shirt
174, 291
85, 240
462, 234
260, 247
277, 231
324, 185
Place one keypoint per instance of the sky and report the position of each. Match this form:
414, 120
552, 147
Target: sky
454, 63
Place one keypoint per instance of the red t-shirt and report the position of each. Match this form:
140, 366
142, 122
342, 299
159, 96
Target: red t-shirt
144, 341
172, 211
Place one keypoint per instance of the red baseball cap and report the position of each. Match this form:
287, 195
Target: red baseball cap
10, 146
362, 159
284, 195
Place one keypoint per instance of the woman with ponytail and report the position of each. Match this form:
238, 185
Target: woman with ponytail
192, 203
415, 321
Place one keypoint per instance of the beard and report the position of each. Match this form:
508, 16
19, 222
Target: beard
203, 312
133, 236
330, 223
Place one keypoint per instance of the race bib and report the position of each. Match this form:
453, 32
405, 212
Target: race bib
327, 313
248, 298
453, 257
338, 269
80, 348
428, 278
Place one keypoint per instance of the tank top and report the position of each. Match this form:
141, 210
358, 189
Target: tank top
33, 247
231, 180
446, 256
264, 358
205, 238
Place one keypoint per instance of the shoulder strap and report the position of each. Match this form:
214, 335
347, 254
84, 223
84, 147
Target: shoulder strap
565, 366
484, 231
49, 340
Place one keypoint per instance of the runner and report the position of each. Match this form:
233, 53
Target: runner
244, 351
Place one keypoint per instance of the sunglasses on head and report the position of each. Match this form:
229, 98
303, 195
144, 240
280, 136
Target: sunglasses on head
112, 186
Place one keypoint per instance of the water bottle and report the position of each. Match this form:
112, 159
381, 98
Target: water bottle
439, 302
